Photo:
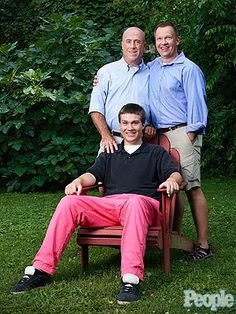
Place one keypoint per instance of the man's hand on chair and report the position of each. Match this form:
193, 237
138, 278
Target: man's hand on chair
171, 186
75, 187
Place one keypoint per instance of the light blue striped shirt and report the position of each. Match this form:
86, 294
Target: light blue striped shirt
177, 94
118, 85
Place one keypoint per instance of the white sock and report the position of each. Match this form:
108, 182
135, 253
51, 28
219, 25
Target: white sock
29, 270
130, 278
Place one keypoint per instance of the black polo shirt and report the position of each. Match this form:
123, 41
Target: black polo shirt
139, 173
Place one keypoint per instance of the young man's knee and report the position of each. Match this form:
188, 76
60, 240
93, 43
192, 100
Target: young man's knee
67, 203
137, 200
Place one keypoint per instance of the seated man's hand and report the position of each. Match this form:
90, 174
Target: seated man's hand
74, 187
171, 185
149, 132
95, 80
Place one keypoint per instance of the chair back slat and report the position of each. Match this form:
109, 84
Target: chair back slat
164, 142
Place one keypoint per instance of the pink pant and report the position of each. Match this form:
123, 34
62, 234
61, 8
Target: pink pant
134, 212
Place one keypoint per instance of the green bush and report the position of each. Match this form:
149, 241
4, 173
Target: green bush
46, 133
46, 136
213, 34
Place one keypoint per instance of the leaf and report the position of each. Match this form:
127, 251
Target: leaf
49, 95
20, 170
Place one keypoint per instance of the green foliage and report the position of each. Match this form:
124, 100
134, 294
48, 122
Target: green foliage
46, 134
50, 51
216, 53
24, 18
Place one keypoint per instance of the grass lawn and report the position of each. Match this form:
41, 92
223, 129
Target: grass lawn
24, 219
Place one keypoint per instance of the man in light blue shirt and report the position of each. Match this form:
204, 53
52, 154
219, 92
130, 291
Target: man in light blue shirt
121, 82
178, 94
178, 109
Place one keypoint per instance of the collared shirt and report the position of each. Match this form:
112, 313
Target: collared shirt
177, 94
138, 173
118, 85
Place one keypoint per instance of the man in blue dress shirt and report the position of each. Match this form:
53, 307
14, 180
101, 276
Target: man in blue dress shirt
121, 82
178, 109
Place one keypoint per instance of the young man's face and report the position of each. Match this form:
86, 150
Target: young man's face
133, 46
131, 128
166, 43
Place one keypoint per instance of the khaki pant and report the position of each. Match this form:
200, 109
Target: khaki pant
190, 155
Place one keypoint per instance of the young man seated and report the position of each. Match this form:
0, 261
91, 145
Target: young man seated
131, 175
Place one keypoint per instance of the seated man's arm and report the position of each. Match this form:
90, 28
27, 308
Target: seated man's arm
172, 183
75, 187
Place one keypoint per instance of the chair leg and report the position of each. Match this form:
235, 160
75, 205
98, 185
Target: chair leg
166, 253
166, 205
84, 257
178, 213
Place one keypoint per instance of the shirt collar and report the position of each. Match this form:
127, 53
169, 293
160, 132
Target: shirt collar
127, 67
142, 149
178, 60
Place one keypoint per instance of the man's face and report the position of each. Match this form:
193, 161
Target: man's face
131, 128
166, 43
133, 46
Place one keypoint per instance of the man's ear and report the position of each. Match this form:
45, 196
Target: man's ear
178, 41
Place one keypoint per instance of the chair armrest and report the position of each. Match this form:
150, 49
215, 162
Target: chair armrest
89, 187
98, 186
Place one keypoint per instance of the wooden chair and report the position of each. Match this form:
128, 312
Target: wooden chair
163, 238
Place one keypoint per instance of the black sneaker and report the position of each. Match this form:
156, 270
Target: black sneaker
128, 293
33, 278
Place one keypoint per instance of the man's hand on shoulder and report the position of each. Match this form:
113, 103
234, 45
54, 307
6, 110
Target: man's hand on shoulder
95, 80
149, 132
109, 144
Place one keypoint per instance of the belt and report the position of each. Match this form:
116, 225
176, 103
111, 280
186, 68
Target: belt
163, 130
114, 133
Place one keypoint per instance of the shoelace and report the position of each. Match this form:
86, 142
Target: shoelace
128, 288
25, 278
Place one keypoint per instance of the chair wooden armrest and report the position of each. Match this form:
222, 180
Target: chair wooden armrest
99, 187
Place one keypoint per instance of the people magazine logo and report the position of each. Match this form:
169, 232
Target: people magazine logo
213, 301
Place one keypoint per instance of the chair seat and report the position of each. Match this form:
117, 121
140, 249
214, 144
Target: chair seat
111, 236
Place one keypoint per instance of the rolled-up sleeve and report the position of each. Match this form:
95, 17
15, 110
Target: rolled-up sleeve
99, 93
195, 91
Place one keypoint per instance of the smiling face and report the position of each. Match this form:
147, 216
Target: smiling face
167, 42
133, 45
131, 128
